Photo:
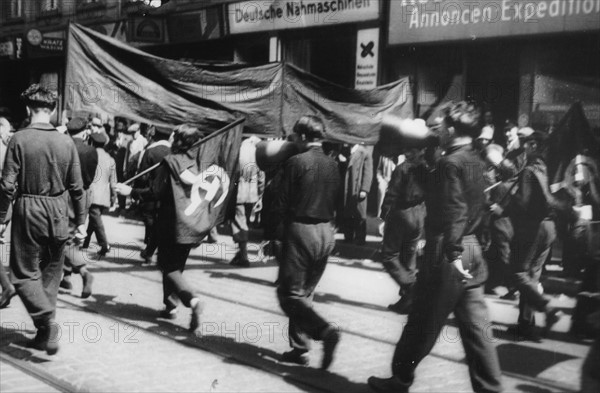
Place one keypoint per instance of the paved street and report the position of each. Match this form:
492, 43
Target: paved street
114, 340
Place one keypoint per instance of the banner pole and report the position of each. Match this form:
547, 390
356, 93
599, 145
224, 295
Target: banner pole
206, 138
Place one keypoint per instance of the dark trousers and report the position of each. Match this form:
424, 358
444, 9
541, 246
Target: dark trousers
151, 235
96, 226
75, 259
440, 291
403, 229
354, 223
171, 262
239, 224
498, 254
306, 248
39, 232
529, 250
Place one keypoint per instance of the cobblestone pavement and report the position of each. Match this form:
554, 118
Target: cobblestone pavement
114, 341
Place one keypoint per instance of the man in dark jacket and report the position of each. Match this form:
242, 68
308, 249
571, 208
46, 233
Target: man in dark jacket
306, 206
404, 213
357, 184
41, 172
530, 208
88, 159
159, 148
453, 271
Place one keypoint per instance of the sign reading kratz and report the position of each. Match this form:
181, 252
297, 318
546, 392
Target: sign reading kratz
252, 16
414, 21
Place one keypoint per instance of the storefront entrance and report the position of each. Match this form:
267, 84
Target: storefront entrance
492, 80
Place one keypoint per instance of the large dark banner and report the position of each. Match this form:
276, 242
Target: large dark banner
107, 76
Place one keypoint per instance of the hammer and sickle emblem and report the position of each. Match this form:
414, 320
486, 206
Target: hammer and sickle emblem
367, 50
220, 180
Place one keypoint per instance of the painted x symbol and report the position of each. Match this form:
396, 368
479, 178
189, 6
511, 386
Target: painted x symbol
367, 49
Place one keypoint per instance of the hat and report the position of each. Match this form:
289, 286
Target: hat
135, 127
99, 138
525, 132
163, 130
76, 125
487, 132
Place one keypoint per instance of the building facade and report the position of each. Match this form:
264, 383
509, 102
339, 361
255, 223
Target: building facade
525, 60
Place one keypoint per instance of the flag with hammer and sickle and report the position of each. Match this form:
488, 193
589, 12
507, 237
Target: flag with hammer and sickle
201, 181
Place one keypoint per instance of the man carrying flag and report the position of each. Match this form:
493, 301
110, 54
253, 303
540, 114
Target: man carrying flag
192, 185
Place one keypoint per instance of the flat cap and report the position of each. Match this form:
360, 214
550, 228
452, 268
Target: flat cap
76, 125
99, 137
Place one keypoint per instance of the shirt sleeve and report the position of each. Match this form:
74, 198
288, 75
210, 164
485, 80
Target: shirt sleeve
454, 209
282, 201
8, 183
75, 186
367, 175
392, 193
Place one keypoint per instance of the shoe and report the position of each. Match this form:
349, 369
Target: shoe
524, 333
238, 261
46, 338
169, 313
7, 295
196, 313
104, 250
402, 306
53, 337
295, 356
66, 284
552, 317
330, 342
509, 296
388, 385
88, 280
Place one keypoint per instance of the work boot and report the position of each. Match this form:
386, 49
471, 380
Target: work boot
196, 306
295, 356
169, 313
104, 250
8, 290
66, 284
88, 280
7, 294
552, 317
331, 338
388, 385
523, 332
46, 338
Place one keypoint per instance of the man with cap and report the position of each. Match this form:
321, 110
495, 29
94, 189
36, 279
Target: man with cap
88, 158
306, 206
40, 173
159, 148
102, 190
134, 148
530, 209
484, 139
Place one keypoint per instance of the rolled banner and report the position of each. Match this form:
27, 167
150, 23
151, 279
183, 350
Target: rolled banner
397, 134
272, 153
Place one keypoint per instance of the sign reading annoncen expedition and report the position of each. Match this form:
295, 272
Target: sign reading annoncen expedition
264, 15
413, 21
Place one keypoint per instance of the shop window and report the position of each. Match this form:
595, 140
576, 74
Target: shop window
49, 6
15, 9
566, 73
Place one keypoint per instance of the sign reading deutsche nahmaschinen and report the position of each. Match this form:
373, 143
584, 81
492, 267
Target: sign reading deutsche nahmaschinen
252, 16
413, 21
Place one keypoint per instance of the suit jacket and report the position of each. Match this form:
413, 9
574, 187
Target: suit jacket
359, 176
104, 182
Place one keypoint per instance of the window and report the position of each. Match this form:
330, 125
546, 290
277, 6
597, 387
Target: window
15, 9
49, 5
